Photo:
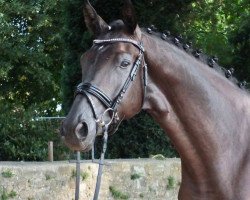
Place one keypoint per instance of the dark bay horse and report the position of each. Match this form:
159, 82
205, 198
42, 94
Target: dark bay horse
206, 116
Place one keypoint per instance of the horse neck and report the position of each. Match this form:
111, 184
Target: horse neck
197, 107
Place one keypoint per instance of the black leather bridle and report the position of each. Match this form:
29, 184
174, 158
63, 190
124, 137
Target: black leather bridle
89, 89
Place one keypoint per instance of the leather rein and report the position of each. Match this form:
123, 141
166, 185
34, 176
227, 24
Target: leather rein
89, 90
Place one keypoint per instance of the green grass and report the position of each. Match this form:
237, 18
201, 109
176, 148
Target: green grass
7, 173
170, 182
84, 175
4, 195
117, 194
12, 194
135, 176
47, 177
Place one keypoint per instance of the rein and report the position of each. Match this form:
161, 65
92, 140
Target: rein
90, 90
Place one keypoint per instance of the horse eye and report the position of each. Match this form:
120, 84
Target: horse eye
125, 64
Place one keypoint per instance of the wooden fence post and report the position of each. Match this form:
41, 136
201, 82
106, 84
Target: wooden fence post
50, 151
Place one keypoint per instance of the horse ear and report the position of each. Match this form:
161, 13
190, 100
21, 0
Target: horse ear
93, 21
128, 16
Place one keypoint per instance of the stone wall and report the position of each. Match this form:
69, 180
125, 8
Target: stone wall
122, 179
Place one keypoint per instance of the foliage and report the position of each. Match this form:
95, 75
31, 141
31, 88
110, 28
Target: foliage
24, 138
30, 51
170, 182
84, 175
214, 29
7, 173
139, 137
4, 195
117, 194
77, 40
135, 176
31, 59
240, 38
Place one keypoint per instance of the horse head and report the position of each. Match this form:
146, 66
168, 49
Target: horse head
113, 79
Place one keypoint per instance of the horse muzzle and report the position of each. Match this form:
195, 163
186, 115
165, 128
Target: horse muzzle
79, 137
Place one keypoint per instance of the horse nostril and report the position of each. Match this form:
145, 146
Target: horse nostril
82, 130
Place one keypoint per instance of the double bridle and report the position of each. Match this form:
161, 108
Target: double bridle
88, 89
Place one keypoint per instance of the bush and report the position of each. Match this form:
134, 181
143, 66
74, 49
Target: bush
23, 138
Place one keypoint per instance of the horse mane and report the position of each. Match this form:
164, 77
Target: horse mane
210, 61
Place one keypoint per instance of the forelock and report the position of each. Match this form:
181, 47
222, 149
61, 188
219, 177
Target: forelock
117, 25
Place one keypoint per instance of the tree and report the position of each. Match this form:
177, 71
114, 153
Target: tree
31, 58
24, 138
30, 51
241, 40
220, 28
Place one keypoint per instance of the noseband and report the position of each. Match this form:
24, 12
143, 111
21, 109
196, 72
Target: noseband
88, 89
